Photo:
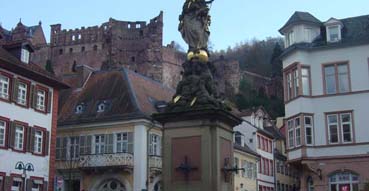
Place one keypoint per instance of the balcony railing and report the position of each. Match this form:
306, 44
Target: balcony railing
155, 162
105, 160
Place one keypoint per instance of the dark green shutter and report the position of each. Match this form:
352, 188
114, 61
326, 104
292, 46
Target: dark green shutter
29, 185
49, 101
33, 97
46, 143
11, 136
82, 145
64, 148
88, 144
15, 90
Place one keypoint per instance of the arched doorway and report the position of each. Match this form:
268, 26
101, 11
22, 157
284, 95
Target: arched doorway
157, 186
344, 181
112, 185
310, 184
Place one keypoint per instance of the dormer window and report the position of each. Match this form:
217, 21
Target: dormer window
333, 33
79, 109
25, 56
290, 38
101, 107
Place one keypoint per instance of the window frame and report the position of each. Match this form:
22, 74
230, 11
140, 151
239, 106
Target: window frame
28, 91
75, 145
155, 148
311, 126
33, 178
340, 127
122, 142
25, 55
6, 132
297, 127
337, 182
336, 77
329, 29
10, 86
46, 98
24, 137
101, 144
291, 138
293, 83
12, 177
351, 127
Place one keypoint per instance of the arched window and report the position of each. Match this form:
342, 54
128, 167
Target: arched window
344, 181
238, 138
310, 184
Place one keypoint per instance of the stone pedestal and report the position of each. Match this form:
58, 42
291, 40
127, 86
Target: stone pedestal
197, 150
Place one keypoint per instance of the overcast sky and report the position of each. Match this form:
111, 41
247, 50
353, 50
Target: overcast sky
233, 21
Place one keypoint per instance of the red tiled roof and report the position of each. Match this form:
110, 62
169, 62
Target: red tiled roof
128, 95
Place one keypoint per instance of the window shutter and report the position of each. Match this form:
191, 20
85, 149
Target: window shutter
15, 90
33, 97
30, 139
49, 101
44, 186
7, 132
109, 140
82, 145
8, 183
46, 142
11, 136
130, 142
159, 146
29, 184
88, 144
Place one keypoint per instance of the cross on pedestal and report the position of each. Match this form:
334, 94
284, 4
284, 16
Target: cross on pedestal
186, 168
228, 169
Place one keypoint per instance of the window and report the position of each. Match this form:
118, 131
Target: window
305, 81
37, 184
17, 184
290, 38
249, 170
124, 142
346, 126
259, 142
41, 99
95, 47
70, 50
99, 144
333, 33
333, 128
19, 137
290, 134
79, 109
308, 124
38, 142
155, 145
310, 184
4, 87
101, 107
336, 78
58, 148
3, 134
60, 51
25, 56
22, 93
298, 131
73, 37
344, 181
74, 148
296, 82
82, 49
238, 138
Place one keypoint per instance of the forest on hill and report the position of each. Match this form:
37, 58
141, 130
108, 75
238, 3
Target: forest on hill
260, 57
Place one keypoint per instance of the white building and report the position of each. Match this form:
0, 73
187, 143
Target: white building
251, 132
106, 137
28, 114
326, 82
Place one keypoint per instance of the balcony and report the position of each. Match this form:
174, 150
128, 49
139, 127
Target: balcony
106, 160
155, 162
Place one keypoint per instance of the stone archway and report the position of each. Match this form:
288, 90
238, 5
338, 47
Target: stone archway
112, 185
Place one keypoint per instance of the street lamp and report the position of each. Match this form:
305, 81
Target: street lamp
25, 167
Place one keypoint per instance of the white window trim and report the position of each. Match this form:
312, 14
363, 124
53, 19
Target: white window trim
157, 151
312, 130
329, 32
25, 55
22, 90
297, 128
17, 138
36, 142
41, 105
308, 81
116, 142
341, 127
4, 128
329, 132
4, 80
100, 144
290, 146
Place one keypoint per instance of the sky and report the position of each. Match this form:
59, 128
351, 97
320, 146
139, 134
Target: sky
233, 21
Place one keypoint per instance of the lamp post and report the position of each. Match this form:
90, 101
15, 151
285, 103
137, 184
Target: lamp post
25, 167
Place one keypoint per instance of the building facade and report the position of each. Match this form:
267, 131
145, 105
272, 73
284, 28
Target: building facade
326, 82
253, 134
106, 137
28, 114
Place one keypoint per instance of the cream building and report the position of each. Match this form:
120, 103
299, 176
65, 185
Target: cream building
247, 159
106, 138
326, 82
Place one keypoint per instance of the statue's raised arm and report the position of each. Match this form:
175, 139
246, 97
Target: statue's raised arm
194, 26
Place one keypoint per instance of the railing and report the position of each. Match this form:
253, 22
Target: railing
104, 160
155, 162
